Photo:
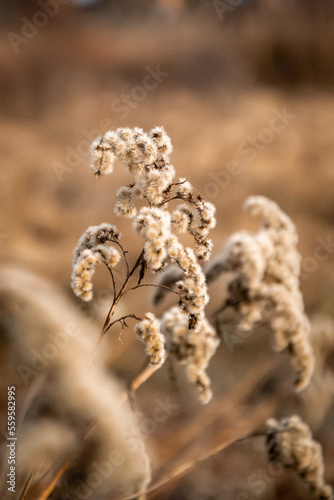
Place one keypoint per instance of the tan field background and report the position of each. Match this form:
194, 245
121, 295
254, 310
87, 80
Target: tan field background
226, 75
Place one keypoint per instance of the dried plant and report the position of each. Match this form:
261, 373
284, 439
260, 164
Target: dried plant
146, 156
149, 332
194, 349
264, 267
262, 271
91, 251
74, 412
289, 442
265, 283
264, 287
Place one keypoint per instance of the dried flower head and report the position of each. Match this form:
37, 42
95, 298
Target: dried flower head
146, 156
196, 217
289, 441
192, 349
265, 285
94, 236
148, 330
162, 247
153, 225
91, 251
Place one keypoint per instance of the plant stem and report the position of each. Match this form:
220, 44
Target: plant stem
120, 294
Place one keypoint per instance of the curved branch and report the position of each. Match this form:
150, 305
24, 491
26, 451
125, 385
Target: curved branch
122, 321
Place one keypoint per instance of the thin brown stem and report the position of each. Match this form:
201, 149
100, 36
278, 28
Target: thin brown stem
170, 199
120, 294
28, 483
143, 376
155, 285
113, 282
52, 485
122, 321
252, 419
124, 256
116, 300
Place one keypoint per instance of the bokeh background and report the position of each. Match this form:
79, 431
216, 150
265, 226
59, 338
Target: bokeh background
245, 91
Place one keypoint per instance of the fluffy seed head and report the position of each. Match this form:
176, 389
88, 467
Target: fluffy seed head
289, 441
266, 271
148, 331
193, 349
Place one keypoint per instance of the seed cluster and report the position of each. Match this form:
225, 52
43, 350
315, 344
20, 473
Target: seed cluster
146, 156
265, 283
289, 441
191, 349
91, 251
148, 331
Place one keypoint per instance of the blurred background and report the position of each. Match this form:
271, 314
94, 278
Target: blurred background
244, 88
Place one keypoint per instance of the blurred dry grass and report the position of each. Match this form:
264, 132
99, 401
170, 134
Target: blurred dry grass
225, 79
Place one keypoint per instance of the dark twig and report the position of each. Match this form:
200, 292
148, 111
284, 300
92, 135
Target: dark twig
124, 252
123, 322
155, 285
120, 294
